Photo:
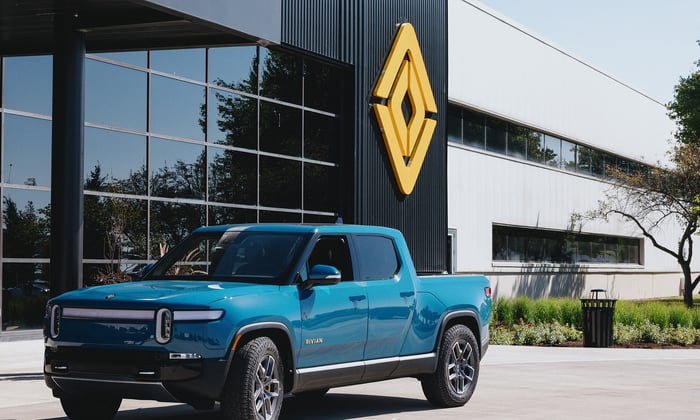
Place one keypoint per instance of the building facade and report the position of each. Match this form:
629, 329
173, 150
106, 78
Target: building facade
121, 134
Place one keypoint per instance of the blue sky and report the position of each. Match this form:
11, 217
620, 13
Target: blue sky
647, 44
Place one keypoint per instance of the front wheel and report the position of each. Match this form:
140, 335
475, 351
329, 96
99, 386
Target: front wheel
90, 407
454, 381
255, 386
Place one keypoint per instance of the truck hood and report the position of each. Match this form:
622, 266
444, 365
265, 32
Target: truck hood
156, 293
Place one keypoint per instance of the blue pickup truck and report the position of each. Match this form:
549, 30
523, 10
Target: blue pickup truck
246, 314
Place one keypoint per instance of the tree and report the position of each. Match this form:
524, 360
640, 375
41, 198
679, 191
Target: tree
652, 199
685, 108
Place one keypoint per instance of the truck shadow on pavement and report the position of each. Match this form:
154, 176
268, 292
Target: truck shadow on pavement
22, 377
328, 407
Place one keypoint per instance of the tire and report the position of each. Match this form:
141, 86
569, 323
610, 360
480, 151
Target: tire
454, 381
90, 407
255, 386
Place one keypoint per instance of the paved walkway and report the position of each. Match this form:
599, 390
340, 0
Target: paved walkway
515, 382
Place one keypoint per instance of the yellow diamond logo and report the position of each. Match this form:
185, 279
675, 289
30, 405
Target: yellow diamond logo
404, 81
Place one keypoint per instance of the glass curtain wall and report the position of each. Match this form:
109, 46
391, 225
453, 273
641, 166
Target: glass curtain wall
174, 139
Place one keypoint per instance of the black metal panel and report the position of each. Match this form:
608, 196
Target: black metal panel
67, 158
361, 33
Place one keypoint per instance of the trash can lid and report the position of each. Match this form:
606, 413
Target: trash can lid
595, 292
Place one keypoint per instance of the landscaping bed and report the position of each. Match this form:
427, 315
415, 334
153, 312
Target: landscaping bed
661, 323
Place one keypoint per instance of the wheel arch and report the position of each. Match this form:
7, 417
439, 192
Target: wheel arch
466, 317
279, 334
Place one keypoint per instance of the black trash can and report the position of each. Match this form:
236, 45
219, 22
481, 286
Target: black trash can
598, 319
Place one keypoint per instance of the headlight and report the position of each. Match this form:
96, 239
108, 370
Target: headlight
164, 325
53, 313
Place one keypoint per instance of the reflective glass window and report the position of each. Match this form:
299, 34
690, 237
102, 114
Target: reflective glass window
280, 129
280, 182
474, 129
518, 138
27, 154
233, 176
496, 135
234, 68
172, 222
232, 119
536, 245
280, 76
219, 215
279, 217
568, 155
25, 291
323, 86
535, 146
552, 151
377, 257
454, 124
321, 188
26, 223
176, 108
135, 58
189, 63
322, 137
177, 169
597, 162
115, 95
28, 83
114, 229
115, 161
584, 159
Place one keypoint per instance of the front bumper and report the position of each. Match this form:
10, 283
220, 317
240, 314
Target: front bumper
134, 374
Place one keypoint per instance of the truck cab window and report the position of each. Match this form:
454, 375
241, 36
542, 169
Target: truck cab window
334, 251
377, 257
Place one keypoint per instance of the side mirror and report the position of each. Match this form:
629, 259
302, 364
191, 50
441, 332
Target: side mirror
322, 275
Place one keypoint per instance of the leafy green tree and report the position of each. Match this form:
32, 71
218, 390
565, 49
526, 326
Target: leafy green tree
685, 108
653, 198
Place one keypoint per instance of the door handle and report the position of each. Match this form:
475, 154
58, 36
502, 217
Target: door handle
357, 298
406, 294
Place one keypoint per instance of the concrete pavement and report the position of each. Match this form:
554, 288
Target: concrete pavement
515, 382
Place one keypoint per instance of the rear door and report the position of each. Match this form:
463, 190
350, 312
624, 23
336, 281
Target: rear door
390, 292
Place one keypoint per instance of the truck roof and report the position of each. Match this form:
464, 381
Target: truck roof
302, 228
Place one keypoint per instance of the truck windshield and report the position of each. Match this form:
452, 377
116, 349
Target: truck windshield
255, 257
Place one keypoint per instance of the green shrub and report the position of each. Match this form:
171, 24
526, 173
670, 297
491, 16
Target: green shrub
650, 333
657, 314
543, 334
502, 336
571, 313
625, 334
679, 316
503, 311
546, 311
628, 313
523, 321
683, 336
696, 318
523, 309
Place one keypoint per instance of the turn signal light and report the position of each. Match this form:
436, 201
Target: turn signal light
487, 291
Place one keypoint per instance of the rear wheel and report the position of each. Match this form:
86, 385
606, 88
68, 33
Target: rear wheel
454, 381
255, 386
90, 408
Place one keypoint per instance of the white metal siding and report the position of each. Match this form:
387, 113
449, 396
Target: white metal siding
498, 67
